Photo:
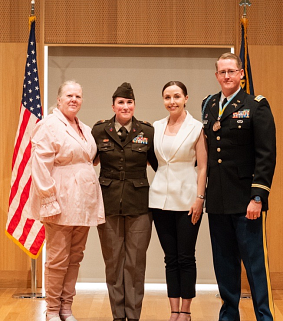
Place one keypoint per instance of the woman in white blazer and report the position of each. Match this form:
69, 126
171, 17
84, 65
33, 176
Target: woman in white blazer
177, 194
65, 196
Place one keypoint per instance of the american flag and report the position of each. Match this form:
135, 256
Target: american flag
26, 233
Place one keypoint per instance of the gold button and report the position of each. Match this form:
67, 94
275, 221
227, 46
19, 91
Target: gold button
219, 149
239, 126
219, 161
218, 137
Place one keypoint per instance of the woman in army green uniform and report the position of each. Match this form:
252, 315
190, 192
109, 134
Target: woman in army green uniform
125, 147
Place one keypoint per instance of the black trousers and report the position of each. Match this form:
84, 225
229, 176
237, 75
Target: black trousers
177, 236
234, 237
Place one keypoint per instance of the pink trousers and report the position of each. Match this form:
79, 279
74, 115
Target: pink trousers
64, 248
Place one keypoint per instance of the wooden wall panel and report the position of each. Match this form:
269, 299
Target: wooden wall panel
143, 22
265, 23
267, 65
14, 263
14, 20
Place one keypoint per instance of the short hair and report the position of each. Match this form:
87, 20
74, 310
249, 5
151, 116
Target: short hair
66, 83
229, 55
177, 83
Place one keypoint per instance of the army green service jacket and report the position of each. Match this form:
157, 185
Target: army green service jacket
123, 173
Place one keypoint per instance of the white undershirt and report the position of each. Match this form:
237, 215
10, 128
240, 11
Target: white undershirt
167, 143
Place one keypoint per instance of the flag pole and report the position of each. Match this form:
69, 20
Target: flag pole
33, 294
246, 84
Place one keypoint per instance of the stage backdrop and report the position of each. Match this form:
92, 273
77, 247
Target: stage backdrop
100, 71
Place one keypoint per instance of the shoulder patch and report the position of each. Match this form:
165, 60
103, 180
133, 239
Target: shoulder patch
100, 122
145, 123
259, 98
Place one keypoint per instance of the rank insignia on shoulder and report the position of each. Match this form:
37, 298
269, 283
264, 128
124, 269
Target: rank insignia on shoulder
259, 98
100, 122
146, 123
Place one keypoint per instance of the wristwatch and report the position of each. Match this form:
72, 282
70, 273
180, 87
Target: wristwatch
257, 199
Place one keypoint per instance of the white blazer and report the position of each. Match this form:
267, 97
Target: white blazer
174, 186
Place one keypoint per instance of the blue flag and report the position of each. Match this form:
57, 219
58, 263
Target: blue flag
247, 81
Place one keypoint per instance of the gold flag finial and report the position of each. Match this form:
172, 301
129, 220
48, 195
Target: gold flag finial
245, 3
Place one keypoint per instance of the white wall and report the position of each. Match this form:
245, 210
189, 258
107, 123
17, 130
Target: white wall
100, 71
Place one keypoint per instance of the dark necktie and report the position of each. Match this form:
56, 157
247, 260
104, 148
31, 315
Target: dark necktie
224, 102
124, 133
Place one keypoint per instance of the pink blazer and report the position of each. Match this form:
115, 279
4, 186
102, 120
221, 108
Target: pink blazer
64, 182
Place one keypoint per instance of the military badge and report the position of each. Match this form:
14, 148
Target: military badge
242, 114
140, 139
100, 122
216, 126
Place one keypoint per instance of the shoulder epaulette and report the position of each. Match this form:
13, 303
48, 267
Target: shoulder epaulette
145, 123
259, 98
100, 122
205, 97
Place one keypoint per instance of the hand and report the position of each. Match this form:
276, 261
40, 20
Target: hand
253, 210
196, 210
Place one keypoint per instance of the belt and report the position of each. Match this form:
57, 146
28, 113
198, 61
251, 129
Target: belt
122, 175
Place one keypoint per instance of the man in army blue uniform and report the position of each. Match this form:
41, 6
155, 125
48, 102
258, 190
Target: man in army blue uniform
125, 146
240, 133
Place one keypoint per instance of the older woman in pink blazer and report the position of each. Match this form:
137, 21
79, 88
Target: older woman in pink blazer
65, 196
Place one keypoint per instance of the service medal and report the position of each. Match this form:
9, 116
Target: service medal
216, 126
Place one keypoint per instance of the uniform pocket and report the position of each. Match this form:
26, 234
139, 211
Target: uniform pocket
105, 181
245, 171
242, 133
105, 146
140, 182
141, 148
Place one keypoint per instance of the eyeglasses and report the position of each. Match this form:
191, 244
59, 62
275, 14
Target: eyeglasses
231, 73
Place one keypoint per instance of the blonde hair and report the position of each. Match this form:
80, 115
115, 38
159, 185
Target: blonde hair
229, 55
66, 83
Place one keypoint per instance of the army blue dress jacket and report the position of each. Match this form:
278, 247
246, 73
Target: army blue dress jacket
241, 154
